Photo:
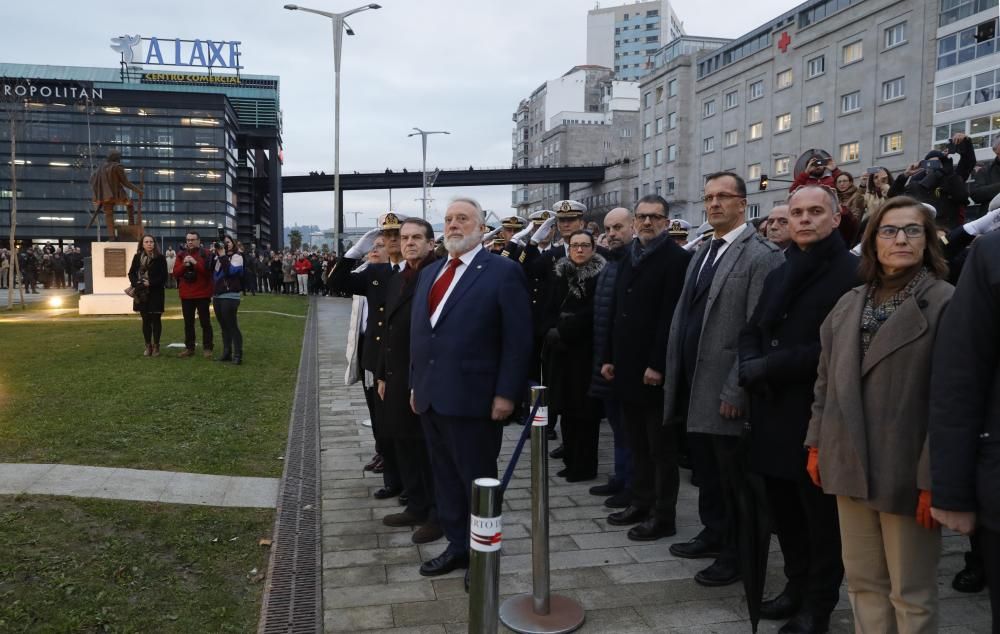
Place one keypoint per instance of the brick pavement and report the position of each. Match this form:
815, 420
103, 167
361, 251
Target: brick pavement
370, 579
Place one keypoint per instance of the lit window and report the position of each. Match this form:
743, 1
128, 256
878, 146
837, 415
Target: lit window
783, 122
851, 53
850, 152
781, 165
783, 79
732, 138
814, 113
893, 89
816, 67
756, 131
891, 143
851, 102
753, 172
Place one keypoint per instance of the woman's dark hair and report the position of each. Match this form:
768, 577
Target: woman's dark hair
870, 268
888, 180
579, 232
156, 247
850, 178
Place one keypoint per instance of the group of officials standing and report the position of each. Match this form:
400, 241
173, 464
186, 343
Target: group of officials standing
746, 357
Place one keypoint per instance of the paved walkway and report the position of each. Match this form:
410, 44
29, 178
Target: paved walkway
137, 484
370, 578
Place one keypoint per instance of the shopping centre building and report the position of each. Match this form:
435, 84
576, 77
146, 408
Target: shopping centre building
205, 147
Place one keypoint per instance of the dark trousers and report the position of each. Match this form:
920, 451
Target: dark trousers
623, 455
383, 446
808, 529
716, 463
580, 439
655, 479
415, 472
188, 308
460, 450
232, 338
152, 327
989, 542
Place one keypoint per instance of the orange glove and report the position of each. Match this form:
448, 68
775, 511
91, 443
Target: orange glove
812, 466
924, 511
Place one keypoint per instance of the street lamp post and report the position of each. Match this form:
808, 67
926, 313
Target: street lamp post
338, 31
423, 169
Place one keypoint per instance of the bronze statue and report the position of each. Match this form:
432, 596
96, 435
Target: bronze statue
109, 183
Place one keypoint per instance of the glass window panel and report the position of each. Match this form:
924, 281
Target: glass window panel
982, 124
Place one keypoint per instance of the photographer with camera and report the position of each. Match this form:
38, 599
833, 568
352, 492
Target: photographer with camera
147, 276
227, 278
820, 170
937, 181
194, 283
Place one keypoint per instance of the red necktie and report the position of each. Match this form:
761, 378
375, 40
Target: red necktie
440, 287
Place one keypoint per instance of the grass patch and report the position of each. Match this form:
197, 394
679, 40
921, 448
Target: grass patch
74, 565
79, 391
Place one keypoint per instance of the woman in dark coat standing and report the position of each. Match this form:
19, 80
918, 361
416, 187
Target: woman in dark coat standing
148, 276
567, 354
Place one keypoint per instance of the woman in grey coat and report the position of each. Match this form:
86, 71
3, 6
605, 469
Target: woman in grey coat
867, 436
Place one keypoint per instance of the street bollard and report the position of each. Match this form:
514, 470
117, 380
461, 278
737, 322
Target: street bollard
485, 528
540, 612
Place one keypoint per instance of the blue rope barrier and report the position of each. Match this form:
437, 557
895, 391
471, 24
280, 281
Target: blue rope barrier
509, 473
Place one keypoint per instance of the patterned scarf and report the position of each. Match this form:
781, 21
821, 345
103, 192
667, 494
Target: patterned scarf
874, 315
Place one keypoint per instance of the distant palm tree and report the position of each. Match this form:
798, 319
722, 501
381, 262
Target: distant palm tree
295, 239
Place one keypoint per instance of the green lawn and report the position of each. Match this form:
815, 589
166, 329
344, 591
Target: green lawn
79, 391
73, 565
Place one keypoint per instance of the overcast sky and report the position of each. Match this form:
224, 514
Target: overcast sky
457, 65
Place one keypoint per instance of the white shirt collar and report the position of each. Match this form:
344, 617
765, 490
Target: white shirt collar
401, 264
467, 258
734, 234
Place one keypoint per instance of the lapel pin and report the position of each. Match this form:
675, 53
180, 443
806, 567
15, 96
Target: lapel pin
479, 266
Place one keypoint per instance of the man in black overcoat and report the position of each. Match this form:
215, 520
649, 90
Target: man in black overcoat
779, 352
400, 426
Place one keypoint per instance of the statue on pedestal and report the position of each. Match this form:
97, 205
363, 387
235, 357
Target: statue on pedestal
109, 183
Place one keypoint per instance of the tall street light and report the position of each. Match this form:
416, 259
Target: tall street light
423, 142
338, 31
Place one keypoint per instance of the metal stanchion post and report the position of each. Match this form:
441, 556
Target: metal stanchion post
540, 612
485, 530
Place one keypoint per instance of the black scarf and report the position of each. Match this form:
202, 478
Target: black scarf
640, 252
800, 270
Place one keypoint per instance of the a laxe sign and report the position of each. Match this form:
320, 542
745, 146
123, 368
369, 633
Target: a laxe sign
157, 51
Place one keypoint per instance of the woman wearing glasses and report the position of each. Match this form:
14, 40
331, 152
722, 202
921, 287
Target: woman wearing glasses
867, 436
567, 353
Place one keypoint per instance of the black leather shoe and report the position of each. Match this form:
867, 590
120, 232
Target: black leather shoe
557, 453
806, 622
580, 477
610, 488
443, 564
631, 515
720, 573
697, 548
620, 500
784, 606
562, 473
385, 494
972, 578
651, 530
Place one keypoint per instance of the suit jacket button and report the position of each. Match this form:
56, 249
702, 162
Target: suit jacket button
379, 323
381, 309
774, 343
433, 336
431, 362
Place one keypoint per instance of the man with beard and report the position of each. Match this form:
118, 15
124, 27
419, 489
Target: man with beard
618, 225
779, 352
400, 425
469, 366
647, 286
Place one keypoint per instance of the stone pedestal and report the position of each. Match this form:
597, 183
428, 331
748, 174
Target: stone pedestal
109, 263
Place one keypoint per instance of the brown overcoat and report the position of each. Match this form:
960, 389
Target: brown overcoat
869, 418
